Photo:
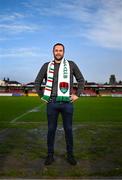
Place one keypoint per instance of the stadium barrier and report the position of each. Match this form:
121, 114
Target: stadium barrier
5, 94
32, 94
17, 94
116, 95
83, 94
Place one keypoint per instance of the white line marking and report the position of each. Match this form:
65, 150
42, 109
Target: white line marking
24, 114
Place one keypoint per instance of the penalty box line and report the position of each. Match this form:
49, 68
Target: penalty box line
27, 112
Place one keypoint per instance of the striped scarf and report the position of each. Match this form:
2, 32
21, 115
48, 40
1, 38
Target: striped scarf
63, 89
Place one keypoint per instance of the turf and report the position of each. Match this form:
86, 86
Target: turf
102, 109
86, 110
97, 127
11, 107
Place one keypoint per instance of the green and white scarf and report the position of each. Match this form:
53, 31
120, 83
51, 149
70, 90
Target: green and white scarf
63, 89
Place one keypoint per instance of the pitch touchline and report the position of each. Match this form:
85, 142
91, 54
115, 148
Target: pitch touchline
24, 114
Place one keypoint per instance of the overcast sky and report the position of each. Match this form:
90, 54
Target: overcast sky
91, 31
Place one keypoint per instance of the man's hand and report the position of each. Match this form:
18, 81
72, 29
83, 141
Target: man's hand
74, 97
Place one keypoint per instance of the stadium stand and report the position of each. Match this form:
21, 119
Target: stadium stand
91, 89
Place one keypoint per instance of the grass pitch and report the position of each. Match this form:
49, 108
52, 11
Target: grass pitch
86, 110
97, 127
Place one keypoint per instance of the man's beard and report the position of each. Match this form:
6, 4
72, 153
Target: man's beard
58, 59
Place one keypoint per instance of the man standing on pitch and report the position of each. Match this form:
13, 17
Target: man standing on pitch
58, 94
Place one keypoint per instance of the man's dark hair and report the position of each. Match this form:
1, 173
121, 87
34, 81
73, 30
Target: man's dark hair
58, 44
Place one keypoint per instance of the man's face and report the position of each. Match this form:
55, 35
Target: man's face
58, 52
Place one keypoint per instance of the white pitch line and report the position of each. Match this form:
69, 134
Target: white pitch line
24, 114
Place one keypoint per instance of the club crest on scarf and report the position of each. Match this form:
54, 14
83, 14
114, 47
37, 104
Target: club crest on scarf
64, 87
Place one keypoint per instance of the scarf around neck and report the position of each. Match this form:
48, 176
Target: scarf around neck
63, 89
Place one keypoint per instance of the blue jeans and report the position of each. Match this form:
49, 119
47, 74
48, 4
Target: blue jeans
53, 110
